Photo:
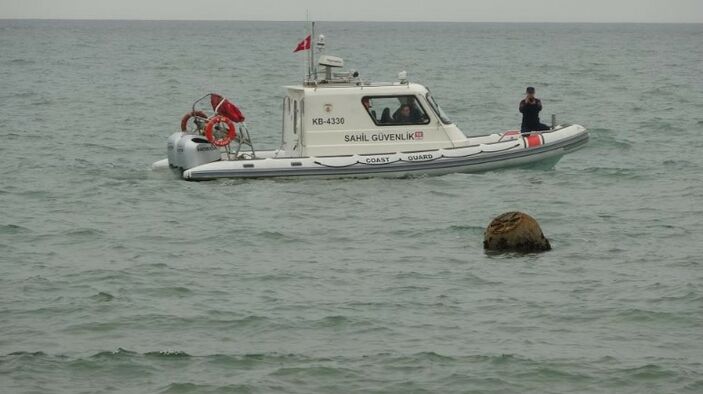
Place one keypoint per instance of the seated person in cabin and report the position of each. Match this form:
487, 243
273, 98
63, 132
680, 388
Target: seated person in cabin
386, 116
369, 108
403, 115
416, 114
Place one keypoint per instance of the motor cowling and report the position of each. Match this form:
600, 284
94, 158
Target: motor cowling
171, 149
194, 150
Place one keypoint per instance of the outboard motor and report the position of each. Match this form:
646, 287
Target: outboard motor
194, 150
202, 136
171, 148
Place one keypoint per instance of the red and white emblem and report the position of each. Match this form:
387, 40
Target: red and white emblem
534, 140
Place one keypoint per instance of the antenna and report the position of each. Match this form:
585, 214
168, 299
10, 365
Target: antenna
320, 47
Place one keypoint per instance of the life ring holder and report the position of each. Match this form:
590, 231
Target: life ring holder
231, 131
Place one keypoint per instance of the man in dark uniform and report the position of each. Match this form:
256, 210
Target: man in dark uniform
530, 108
404, 115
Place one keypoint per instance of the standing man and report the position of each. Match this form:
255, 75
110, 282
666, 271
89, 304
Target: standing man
530, 108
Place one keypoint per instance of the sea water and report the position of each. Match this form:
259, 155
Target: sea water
115, 278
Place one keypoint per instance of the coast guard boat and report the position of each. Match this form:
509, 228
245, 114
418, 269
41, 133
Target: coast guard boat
337, 125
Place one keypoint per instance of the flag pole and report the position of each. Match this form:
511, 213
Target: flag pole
307, 25
312, 52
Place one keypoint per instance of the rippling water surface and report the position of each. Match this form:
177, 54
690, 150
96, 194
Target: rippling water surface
114, 278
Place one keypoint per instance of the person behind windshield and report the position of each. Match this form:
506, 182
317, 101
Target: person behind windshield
404, 115
369, 108
530, 108
415, 113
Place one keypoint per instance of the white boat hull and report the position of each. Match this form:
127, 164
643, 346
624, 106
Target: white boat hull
507, 152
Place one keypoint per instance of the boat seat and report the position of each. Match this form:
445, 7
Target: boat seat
386, 116
373, 115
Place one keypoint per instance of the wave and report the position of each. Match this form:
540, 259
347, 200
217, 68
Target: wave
617, 172
642, 315
30, 354
103, 297
168, 354
115, 354
251, 323
602, 137
647, 372
13, 229
84, 232
277, 236
177, 388
464, 229
21, 62
161, 371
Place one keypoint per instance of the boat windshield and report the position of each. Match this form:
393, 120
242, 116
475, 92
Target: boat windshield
437, 109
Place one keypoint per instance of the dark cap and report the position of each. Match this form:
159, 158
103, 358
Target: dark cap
530, 89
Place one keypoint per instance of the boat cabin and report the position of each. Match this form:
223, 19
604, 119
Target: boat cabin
338, 114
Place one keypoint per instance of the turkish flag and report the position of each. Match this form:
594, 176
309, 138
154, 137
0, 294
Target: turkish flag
303, 45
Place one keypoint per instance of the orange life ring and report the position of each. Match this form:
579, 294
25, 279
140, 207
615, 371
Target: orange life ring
231, 131
186, 118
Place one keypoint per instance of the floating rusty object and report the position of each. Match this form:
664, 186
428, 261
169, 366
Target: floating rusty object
515, 232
